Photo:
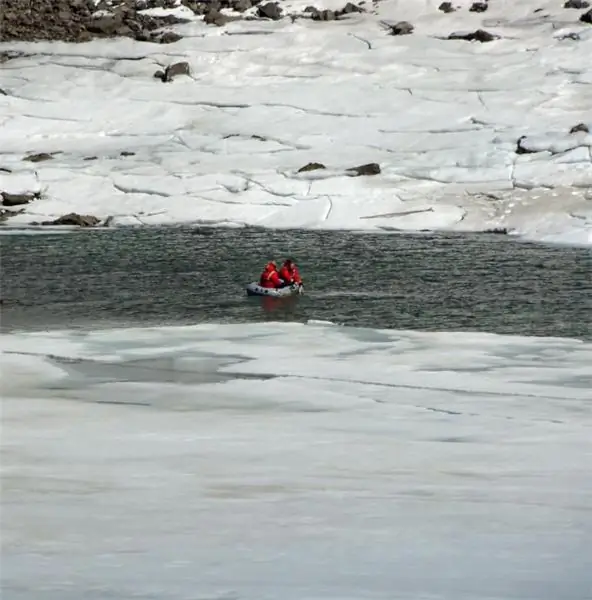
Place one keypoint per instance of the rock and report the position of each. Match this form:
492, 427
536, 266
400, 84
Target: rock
3, 92
215, 17
90, 158
367, 169
180, 68
311, 166
18, 199
241, 5
350, 8
520, 149
6, 214
74, 219
580, 127
40, 157
476, 36
7, 55
127, 153
271, 10
5, 170
108, 26
323, 15
446, 7
586, 17
478, 7
579, 4
167, 37
400, 28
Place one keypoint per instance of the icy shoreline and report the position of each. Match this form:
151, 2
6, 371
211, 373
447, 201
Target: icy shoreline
467, 136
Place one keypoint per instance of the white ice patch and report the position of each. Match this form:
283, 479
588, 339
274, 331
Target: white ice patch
295, 461
223, 146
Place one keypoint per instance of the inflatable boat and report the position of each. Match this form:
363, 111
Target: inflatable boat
254, 289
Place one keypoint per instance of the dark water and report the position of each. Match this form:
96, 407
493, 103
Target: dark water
179, 276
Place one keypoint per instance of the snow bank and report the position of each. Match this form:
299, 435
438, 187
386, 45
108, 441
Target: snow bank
446, 121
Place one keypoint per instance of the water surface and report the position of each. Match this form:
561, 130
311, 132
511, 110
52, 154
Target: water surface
163, 276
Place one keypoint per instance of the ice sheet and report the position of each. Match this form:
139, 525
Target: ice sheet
295, 461
223, 146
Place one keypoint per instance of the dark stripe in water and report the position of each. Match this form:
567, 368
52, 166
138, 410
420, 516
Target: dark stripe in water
163, 276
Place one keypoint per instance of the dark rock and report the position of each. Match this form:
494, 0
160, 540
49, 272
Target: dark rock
168, 37
215, 17
90, 158
108, 26
5, 170
400, 28
6, 213
312, 166
7, 55
18, 199
323, 15
586, 17
520, 149
3, 92
40, 157
578, 4
498, 231
271, 10
476, 36
367, 169
180, 68
74, 219
478, 7
446, 7
127, 153
350, 8
241, 5
580, 127
572, 35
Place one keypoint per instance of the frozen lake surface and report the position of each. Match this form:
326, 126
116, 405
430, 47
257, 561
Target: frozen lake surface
295, 461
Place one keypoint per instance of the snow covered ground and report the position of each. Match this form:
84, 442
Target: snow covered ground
299, 461
224, 145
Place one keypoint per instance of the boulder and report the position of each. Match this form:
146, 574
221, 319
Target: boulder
446, 7
311, 166
39, 157
18, 199
478, 7
577, 4
476, 36
400, 28
170, 72
74, 219
270, 10
580, 127
367, 169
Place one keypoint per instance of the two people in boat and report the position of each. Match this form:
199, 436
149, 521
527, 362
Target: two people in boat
286, 276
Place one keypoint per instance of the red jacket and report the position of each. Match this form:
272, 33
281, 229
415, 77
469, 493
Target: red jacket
270, 279
290, 275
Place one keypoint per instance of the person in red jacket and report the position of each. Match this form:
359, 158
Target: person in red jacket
270, 278
289, 273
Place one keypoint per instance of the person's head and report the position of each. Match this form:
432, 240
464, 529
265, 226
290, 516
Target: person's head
289, 263
270, 266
